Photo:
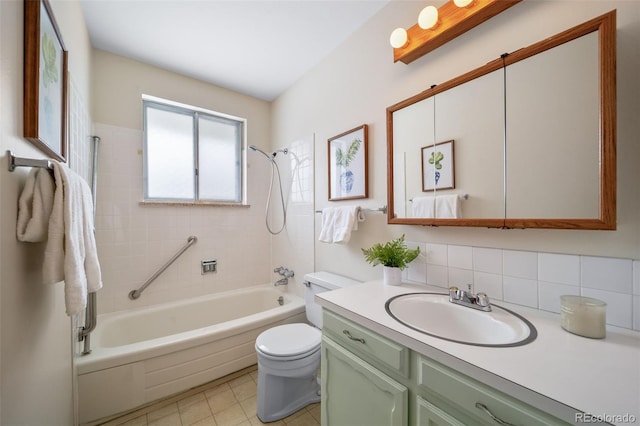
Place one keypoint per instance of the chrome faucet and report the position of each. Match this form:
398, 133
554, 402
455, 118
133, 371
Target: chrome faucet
287, 273
281, 281
478, 301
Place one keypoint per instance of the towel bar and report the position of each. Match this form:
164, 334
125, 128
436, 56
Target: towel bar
27, 162
382, 209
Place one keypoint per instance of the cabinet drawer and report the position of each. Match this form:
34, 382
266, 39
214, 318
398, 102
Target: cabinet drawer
476, 399
367, 343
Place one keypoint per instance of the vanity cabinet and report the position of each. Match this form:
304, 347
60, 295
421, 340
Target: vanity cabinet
368, 379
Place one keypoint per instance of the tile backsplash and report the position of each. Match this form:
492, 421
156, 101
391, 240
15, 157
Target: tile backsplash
533, 279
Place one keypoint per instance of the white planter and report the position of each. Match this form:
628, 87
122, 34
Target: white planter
392, 275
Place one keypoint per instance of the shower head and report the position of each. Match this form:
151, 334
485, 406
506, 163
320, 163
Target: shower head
255, 148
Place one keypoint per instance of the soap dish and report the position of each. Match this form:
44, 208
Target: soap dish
583, 316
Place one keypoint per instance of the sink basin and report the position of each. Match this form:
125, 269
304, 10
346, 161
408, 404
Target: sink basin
433, 314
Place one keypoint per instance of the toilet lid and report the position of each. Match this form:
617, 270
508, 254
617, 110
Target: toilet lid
289, 339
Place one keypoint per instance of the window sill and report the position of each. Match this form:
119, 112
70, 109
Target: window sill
191, 203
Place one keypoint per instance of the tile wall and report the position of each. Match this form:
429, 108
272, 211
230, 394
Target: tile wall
533, 279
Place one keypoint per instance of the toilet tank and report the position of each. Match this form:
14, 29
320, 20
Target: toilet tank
318, 282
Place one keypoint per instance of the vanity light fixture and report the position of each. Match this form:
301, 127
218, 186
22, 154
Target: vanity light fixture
436, 27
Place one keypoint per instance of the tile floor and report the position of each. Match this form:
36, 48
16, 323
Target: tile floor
230, 401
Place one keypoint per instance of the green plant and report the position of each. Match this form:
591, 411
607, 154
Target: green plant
393, 253
343, 158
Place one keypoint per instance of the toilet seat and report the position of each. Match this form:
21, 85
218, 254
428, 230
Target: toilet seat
289, 341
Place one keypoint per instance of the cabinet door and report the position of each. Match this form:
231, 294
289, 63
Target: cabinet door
430, 415
356, 394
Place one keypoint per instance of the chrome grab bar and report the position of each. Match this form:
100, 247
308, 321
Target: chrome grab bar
134, 294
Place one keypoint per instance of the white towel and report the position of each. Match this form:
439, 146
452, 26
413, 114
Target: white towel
34, 206
71, 253
339, 222
447, 206
423, 206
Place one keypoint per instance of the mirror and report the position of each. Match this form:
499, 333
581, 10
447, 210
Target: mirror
525, 141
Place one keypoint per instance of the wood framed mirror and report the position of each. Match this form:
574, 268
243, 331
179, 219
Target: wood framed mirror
535, 139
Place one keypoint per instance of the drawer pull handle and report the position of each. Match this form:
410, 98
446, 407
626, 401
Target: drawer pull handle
357, 339
490, 414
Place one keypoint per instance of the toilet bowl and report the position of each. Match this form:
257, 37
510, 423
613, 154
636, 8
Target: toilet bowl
289, 356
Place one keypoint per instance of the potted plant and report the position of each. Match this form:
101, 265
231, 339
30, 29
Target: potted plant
394, 256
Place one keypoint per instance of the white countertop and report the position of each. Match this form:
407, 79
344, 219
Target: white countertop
559, 372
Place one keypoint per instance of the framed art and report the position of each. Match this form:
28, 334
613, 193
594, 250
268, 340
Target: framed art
45, 80
347, 157
438, 166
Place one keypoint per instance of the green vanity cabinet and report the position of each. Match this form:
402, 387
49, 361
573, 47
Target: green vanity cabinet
356, 394
368, 379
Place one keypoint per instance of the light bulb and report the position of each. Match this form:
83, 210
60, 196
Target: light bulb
462, 3
399, 38
428, 17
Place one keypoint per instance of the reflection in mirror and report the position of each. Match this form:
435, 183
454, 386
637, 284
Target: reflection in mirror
534, 135
553, 138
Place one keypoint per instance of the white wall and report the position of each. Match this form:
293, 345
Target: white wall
134, 240
36, 335
358, 81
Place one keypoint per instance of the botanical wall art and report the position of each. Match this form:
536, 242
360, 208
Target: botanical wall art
45, 80
348, 165
438, 166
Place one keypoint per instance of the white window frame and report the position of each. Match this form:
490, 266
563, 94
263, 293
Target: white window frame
195, 112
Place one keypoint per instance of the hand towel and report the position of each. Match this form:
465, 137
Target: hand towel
423, 206
34, 206
71, 254
346, 221
447, 206
339, 222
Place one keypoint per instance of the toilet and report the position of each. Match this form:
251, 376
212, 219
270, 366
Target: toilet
289, 355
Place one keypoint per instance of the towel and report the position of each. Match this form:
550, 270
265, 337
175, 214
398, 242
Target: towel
34, 206
423, 206
71, 254
447, 206
339, 222
440, 207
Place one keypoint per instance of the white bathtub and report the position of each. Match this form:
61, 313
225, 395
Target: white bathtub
141, 355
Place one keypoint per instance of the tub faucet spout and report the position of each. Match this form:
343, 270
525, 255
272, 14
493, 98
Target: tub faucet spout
281, 281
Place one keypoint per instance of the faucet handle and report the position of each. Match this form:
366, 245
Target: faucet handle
482, 299
454, 293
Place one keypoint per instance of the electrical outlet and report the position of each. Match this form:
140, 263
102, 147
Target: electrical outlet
208, 266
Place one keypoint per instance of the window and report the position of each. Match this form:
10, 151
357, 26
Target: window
191, 154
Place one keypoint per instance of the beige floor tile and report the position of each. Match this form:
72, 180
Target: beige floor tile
245, 390
305, 419
209, 421
222, 401
195, 411
162, 412
199, 397
232, 416
254, 376
170, 420
239, 380
249, 406
217, 389
314, 410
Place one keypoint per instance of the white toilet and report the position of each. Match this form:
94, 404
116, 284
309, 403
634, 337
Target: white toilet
289, 355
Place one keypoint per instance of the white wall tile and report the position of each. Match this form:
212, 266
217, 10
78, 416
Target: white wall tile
559, 268
606, 273
520, 291
488, 283
460, 257
437, 254
417, 272
636, 313
619, 306
636, 277
549, 295
460, 278
521, 264
438, 275
487, 260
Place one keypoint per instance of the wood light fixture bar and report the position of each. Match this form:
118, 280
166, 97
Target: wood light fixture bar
452, 22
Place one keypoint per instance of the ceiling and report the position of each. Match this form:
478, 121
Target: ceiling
259, 48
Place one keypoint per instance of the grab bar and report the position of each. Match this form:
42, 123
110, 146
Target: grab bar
134, 294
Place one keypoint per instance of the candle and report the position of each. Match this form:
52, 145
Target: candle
583, 316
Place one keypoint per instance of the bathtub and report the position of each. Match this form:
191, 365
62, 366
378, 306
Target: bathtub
141, 355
